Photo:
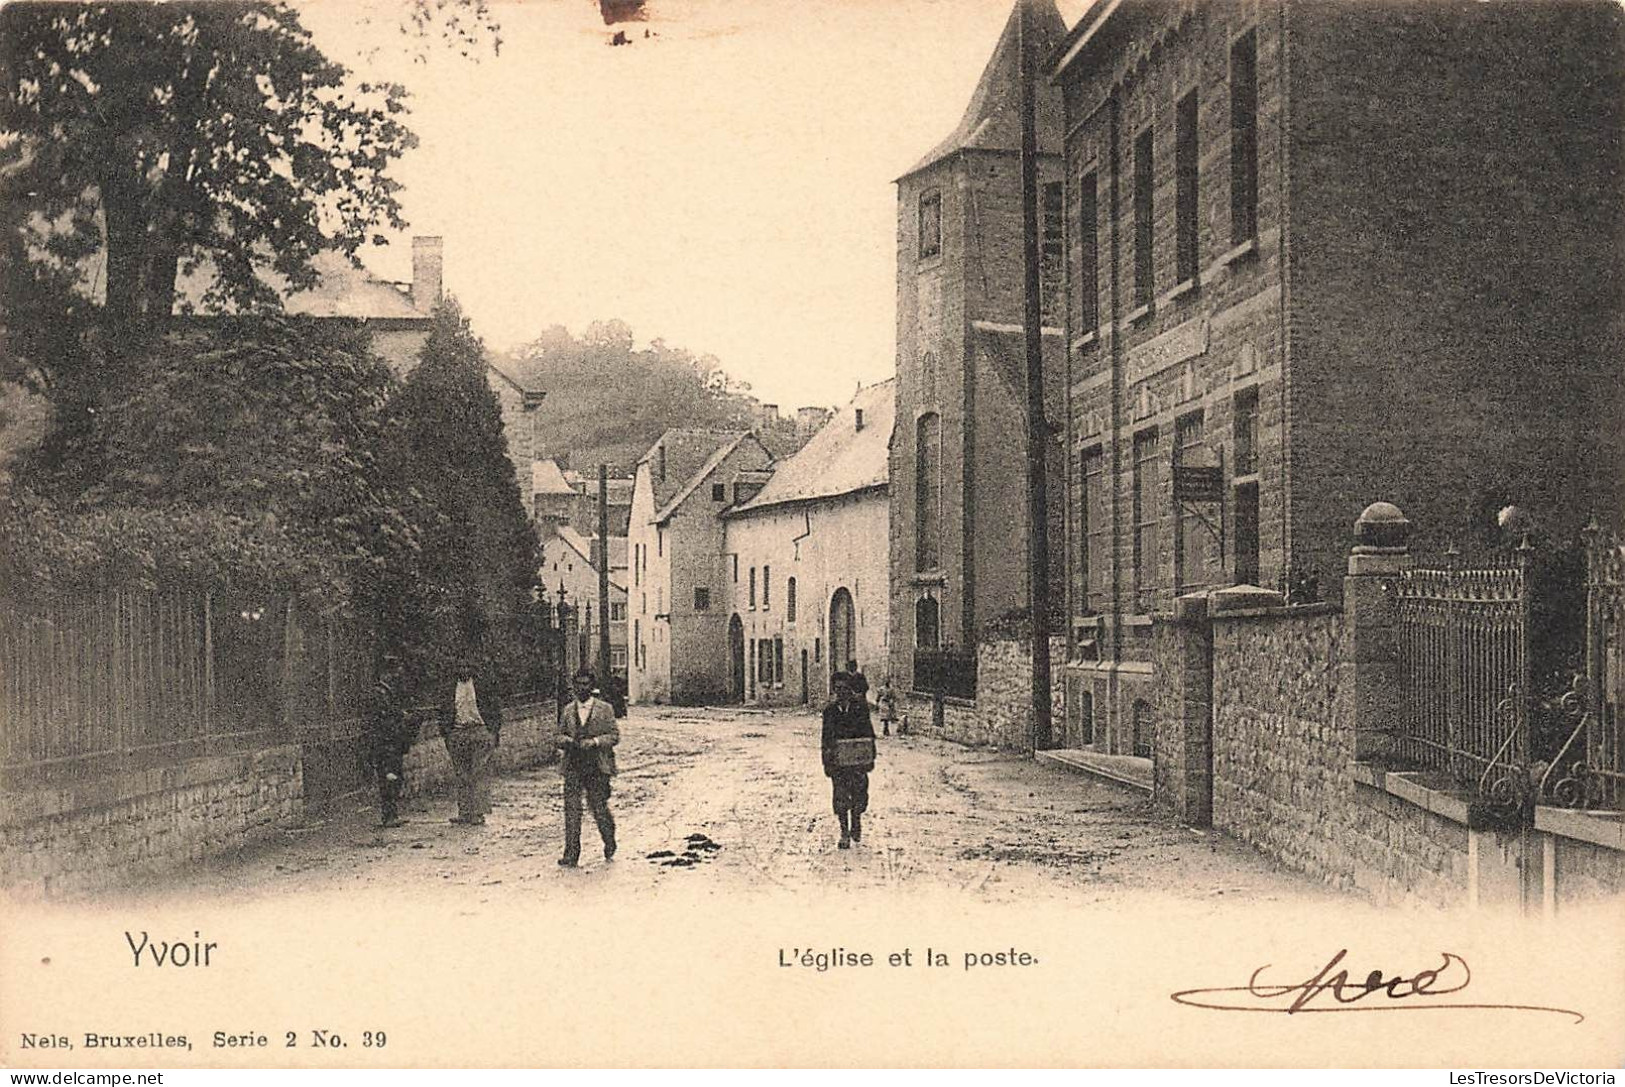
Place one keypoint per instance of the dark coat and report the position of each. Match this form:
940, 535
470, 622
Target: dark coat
841, 724
594, 742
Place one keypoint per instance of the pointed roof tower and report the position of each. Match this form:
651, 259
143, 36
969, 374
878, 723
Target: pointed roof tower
992, 121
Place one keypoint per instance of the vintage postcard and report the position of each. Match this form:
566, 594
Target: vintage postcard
836, 533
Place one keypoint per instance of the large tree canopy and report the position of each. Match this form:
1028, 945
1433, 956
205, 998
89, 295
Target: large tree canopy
185, 132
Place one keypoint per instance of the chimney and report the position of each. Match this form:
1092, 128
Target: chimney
428, 255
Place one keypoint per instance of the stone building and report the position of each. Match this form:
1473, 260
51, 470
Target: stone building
1320, 255
570, 561
678, 640
959, 532
806, 562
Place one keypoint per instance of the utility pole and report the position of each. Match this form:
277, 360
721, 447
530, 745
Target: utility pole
604, 677
1037, 420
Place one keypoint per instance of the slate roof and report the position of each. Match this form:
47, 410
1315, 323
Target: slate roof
699, 476
545, 478
688, 449
583, 546
839, 458
992, 121
342, 290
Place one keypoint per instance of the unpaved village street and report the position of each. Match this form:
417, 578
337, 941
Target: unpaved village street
942, 818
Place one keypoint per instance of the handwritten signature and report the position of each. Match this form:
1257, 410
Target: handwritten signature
1329, 989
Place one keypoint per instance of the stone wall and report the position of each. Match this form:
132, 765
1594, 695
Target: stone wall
91, 835
960, 722
1004, 689
1286, 779
85, 836
527, 740
1001, 715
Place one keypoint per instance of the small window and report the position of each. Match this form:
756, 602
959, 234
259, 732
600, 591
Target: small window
702, 599
735, 558
767, 587
660, 541
753, 588
930, 224
719, 492
617, 611
790, 601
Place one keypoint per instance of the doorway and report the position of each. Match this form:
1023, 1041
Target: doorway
736, 658
842, 631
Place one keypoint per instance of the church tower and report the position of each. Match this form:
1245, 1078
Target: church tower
959, 551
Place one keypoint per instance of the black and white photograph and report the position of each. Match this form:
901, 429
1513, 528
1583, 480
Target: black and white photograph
812, 533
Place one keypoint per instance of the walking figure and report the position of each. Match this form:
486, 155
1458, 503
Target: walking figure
586, 740
390, 737
849, 754
886, 702
471, 722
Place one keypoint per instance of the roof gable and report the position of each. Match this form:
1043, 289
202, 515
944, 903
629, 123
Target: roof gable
712, 463
992, 121
840, 458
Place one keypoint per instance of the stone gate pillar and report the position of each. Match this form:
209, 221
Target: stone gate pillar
1182, 771
1370, 667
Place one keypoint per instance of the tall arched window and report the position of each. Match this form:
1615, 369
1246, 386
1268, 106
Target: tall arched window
927, 491
927, 627
790, 601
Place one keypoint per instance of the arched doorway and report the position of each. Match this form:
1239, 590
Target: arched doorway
736, 658
842, 631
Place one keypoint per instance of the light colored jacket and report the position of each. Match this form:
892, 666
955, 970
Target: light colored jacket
598, 736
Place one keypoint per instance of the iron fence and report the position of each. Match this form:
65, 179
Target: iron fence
1463, 648
1588, 771
123, 680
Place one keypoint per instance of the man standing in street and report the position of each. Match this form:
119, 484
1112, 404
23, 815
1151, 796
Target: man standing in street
586, 740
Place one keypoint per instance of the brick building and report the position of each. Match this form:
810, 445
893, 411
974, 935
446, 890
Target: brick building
1320, 255
678, 640
959, 504
806, 562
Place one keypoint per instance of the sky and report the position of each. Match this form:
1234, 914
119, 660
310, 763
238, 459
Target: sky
725, 185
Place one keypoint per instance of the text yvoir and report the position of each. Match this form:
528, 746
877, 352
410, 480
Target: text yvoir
1329, 989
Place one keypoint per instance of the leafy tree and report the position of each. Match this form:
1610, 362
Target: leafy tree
477, 567
607, 402
137, 140
260, 440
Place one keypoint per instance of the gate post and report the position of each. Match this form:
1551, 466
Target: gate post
1182, 770
1371, 668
